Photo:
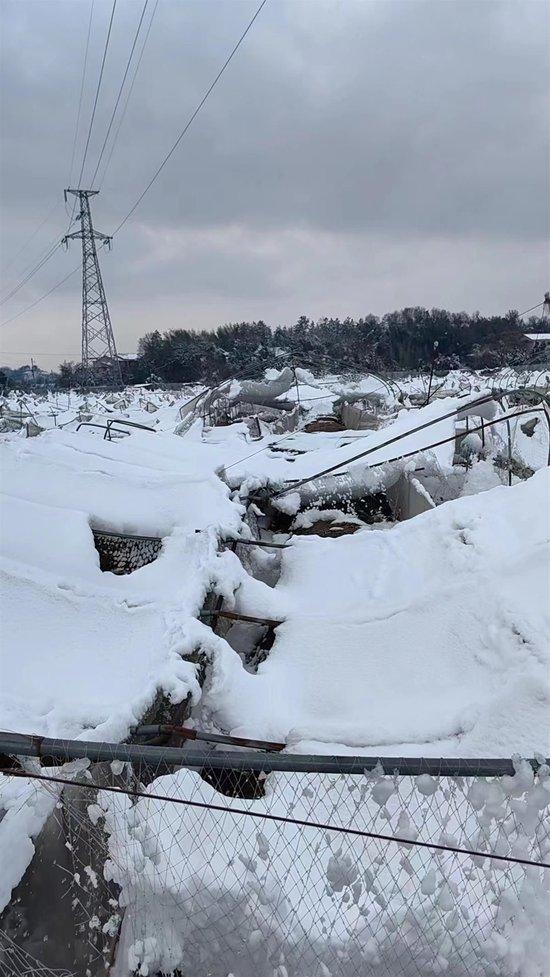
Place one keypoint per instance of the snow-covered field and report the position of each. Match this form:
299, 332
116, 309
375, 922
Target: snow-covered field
424, 637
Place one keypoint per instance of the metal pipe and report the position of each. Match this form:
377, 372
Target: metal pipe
261, 542
247, 618
436, 344
196, 734
385, 444
409, 454
509, 430
16, 744
141, 539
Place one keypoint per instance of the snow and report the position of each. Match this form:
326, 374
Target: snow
307, 454
430, 639
423, 638
321, 902
86, 651
24, 813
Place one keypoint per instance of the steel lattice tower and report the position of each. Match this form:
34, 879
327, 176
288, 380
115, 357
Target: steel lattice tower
99, 355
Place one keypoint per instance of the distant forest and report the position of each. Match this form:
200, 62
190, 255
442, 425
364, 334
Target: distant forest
409, 339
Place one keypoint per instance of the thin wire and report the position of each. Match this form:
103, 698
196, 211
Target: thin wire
42, 297
279, 818
49, 254
125, 75
192, 118
531, 310
30, 272
81, 92
129, 95
97, 92
40, 352
31, 237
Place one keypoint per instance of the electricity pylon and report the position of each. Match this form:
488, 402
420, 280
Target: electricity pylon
99, 355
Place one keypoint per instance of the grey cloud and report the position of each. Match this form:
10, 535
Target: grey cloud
343, 134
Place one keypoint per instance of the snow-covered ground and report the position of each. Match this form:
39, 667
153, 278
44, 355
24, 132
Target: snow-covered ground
427, 637
86, 651
252, 897
431, 639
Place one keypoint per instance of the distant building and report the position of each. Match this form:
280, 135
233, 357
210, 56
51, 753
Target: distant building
542, 337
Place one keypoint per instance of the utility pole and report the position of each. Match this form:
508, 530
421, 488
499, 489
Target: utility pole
434, 351
99, 355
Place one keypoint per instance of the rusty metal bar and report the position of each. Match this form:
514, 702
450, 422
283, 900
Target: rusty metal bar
196, 734
234, 616
262, 542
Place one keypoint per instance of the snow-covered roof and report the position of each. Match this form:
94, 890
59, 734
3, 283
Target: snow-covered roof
84, 650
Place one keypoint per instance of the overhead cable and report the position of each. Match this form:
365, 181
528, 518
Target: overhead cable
125, 75
168, 155
32, 236
191, 118
77, 125
129, 94
46, 257
49, 292
98, 89
531, 310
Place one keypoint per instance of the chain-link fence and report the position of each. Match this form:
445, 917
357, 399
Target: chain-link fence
282, 866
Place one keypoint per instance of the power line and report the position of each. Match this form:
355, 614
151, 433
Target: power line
53, 247
166, 158
192, 117
42, 297
46, 257
81, 91
31, 236
531, 310
136, 35
100, 79
31, 270
278, 818
39, 352
129, 95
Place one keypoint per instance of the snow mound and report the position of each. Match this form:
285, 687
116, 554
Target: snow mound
85, 651
430, 639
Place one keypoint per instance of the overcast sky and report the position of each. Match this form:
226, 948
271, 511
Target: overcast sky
355, 157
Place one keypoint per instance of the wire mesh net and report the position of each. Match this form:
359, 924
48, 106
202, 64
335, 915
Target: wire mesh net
16, 962
122, 553
210, 872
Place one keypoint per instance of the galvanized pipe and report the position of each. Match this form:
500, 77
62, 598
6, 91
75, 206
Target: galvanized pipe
16, 744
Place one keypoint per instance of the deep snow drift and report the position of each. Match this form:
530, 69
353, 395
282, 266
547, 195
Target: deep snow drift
86, 651
429, 639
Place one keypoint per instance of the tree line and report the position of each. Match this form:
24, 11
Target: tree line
408, 339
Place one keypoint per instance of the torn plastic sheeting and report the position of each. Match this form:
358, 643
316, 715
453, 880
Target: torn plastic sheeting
487, 411
352, 484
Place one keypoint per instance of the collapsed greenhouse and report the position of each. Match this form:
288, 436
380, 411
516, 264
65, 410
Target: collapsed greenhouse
275, 679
